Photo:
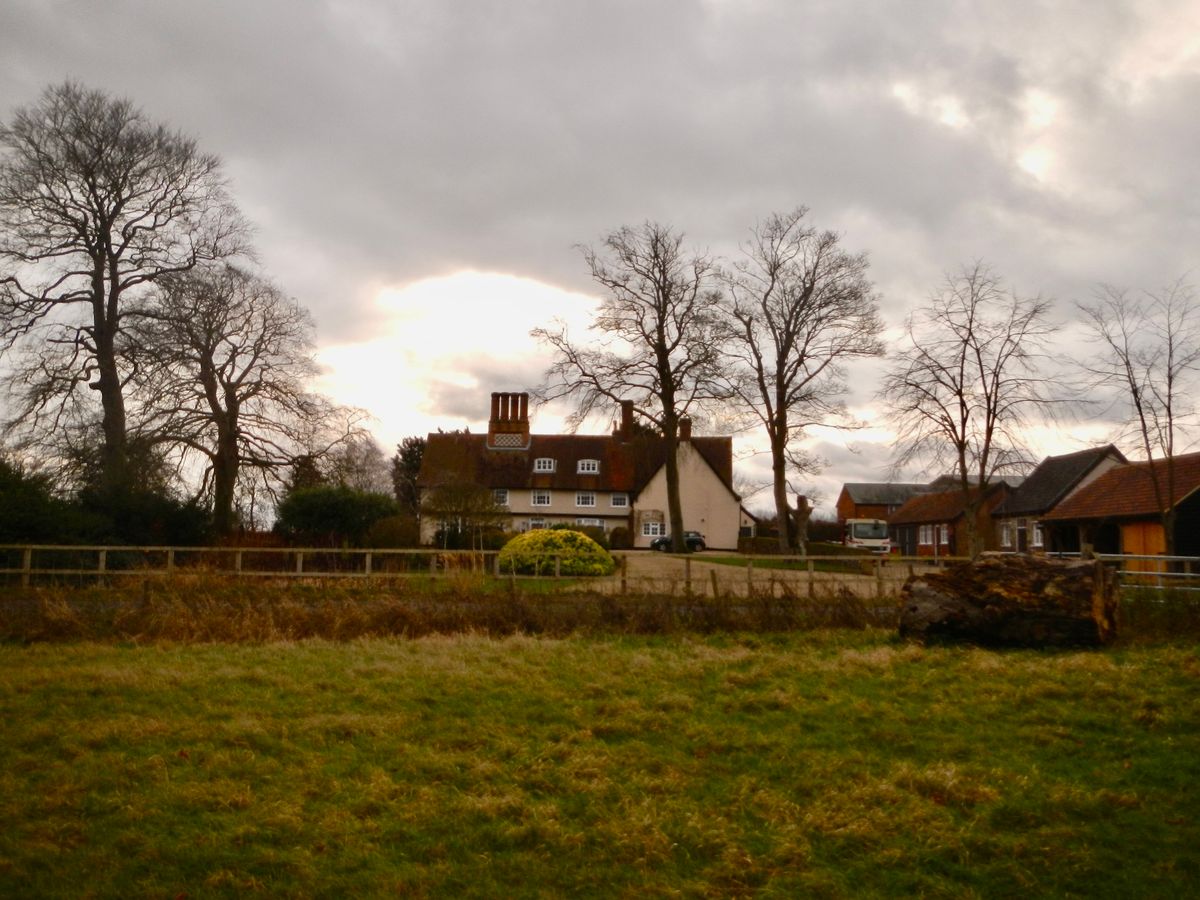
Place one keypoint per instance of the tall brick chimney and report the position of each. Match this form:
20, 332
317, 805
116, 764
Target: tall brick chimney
626, 432
508, 426
685, 429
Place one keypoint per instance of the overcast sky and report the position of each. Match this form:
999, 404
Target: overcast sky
420, 172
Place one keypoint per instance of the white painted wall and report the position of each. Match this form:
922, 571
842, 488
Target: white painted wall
709, 507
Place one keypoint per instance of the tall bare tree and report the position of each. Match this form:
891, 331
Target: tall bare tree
658, 341
96, 202
1149, 353
797, 306
968, 380
224, 360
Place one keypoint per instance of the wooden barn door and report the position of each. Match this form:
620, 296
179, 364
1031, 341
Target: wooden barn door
1143, 539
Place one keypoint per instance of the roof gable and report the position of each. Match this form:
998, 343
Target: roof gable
944, 506
882, 494
1053, 479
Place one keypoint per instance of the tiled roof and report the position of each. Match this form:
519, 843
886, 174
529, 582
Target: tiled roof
624, 465
1127, 492
945, 506
882, 494
1052, 479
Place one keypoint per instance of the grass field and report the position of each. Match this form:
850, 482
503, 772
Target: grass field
827, 763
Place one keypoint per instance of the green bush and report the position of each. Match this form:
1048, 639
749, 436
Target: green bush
595, 532
534, 552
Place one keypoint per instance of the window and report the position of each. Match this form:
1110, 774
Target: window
1006, 534
594, 523
653, 529
620, 501
585, 498
588, 467
543, 464
925, 534
540, 498
1038, 540
500, 496
945, 529
535, 524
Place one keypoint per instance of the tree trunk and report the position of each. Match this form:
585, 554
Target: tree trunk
783, 511
1013, 601
225, 473
114, 459
674, 505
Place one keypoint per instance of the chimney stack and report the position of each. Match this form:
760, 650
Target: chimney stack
626, 419
508, 426
685, 429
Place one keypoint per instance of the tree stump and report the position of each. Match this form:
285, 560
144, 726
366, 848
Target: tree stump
1013, 601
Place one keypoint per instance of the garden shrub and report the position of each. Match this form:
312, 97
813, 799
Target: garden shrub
620, 538
595, 532
534, 552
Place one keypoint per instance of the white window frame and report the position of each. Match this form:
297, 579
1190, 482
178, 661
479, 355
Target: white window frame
544, 464
944, 534
581, 496
925, 535
536, 524
1039, 538
623, 504
536, 493
587, 467
1006, 534
594, 523
500, 496
653, 529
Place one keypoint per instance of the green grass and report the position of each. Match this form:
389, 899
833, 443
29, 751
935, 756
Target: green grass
828, 764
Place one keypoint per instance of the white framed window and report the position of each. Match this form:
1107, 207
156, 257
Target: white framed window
535, 524
945, 530
594, 523
539, 498
1038, 538
925, 534
500, 496
543, 464
620, 501
653, 529
588, 467
1006, 534
585, 498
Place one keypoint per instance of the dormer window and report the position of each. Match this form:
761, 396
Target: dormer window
543, 464
588, 467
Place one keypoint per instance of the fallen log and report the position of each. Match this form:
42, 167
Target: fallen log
1013, 601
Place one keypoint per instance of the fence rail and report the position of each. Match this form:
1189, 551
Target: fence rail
866, 575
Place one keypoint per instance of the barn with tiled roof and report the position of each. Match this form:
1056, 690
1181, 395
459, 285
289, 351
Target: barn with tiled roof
1122, 510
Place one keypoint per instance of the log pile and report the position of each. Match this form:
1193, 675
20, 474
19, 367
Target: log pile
1013, 601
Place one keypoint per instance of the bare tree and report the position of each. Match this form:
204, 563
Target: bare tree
1149, 353
658, 340
95, 203
224, 359
967, 382
796, 307
359, 463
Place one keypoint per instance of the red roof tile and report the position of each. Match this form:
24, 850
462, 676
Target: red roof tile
1128, 491
945, 506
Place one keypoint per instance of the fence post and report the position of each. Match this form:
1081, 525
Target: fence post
237, 562
171, 561
812, 582
879, 579
557, 566
368, 564
624, 574
433, 565
299, 561
750, 577
687, 576
26, 565
102, 566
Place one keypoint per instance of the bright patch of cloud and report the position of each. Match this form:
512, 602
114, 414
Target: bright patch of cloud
426, 368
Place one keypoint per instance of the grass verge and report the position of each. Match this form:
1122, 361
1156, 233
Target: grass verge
828, 764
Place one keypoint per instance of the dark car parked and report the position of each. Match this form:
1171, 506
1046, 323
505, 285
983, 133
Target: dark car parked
693, 539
